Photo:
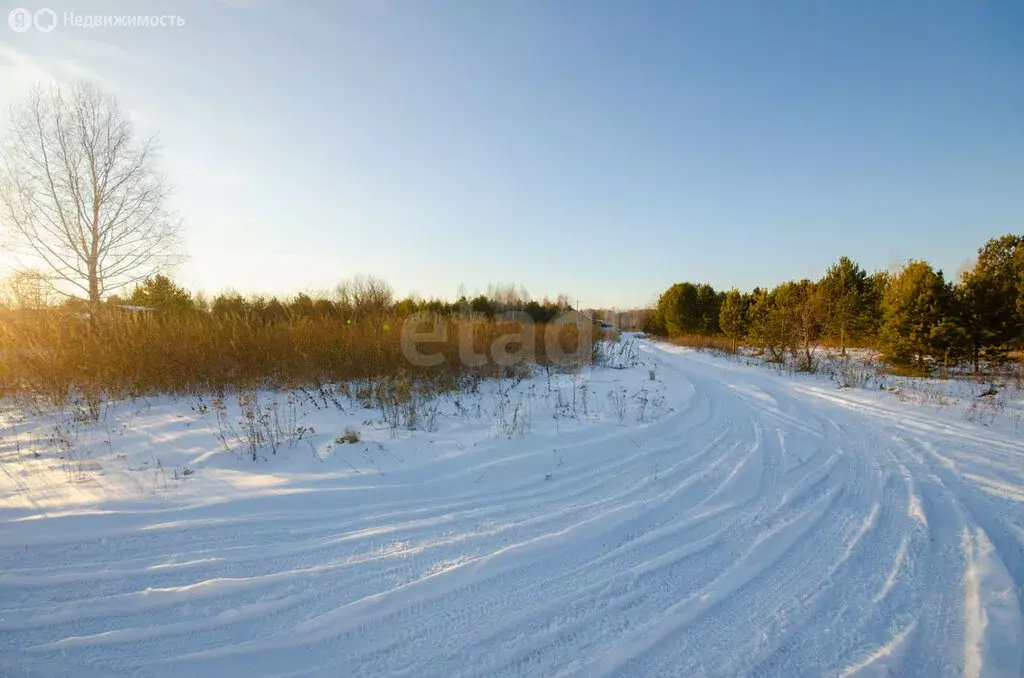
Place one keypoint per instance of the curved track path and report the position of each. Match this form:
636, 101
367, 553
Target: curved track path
764, 527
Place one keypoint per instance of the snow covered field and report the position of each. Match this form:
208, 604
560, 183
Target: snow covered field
685, 516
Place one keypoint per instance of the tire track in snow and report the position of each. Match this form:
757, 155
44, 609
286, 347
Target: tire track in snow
762, 528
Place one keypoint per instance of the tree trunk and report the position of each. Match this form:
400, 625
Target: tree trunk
94, 249
94, 286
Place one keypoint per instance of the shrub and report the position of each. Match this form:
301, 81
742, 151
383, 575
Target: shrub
128, 354
350, 436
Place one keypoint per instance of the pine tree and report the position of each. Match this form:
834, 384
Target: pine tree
878, 283
686, 308
161, 293
669, 309
795, 318
733, 316
916, 322
655, 324
1018, 260
844, 295
987, 299
709, 305
768, 327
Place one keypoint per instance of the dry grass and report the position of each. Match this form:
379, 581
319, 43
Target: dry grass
851, 343
906, 371
119, 355
715, 342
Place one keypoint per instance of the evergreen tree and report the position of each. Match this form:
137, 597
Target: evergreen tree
686, 308
1018, 260
916, 321
987, 300
767, 327
878, 283
708, 308
667, 311
795, 319
483, 306
229, 303
844, 295
733, 316
161, 293
655, 324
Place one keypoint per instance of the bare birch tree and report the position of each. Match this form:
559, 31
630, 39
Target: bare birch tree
81, 195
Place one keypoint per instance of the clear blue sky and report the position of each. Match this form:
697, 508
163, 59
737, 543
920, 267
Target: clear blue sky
601, 149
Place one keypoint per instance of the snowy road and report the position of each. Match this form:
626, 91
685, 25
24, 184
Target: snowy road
764, 526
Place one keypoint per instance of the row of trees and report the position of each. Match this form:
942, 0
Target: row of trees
913, 315
360, 297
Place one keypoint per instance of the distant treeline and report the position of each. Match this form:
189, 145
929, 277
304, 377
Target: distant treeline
914, 315
361, 297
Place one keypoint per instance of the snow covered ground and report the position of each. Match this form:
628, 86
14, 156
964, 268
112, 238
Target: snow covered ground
685, 516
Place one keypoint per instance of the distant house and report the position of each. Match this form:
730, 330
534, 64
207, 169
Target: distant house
574, 317
124, 308
581, 319
632, 321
